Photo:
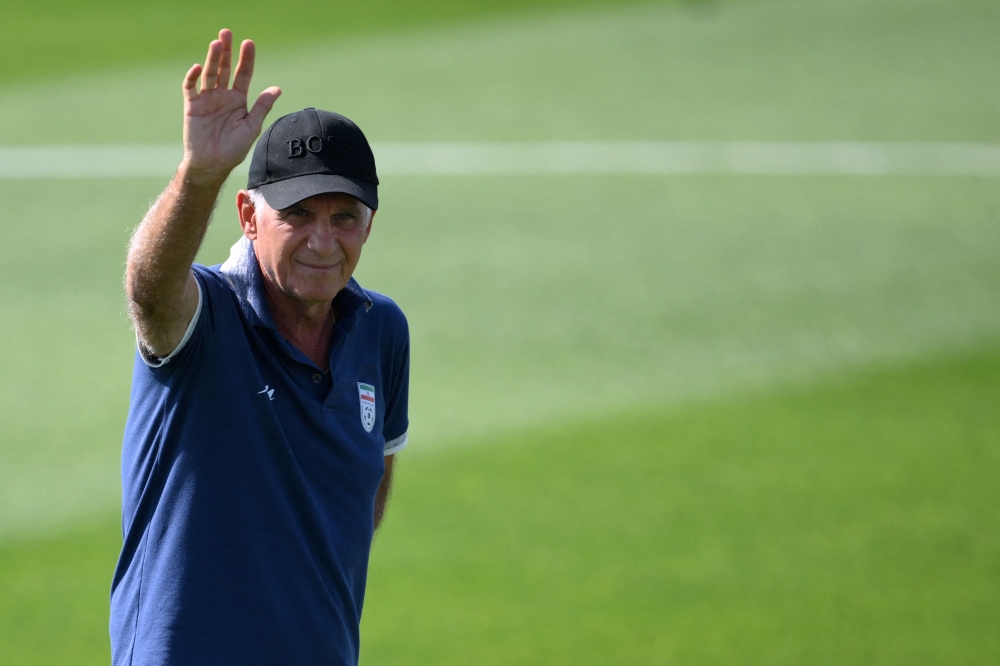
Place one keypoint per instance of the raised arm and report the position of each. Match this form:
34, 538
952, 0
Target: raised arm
218, 134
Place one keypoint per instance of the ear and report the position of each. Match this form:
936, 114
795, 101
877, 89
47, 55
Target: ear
248, 214
368, 231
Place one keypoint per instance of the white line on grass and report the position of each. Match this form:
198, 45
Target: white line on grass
87, 161
559, 158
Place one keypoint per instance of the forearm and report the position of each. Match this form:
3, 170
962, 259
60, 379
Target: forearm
384, 491
158, 275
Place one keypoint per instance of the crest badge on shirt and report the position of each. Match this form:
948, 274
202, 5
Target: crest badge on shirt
366, 394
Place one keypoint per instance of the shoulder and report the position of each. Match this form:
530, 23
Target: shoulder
386, 311
218, 305
211, 277
217, 290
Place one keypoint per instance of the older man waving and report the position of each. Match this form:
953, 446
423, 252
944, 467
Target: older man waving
269, 394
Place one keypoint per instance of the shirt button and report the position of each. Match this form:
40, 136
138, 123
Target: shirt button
317, 378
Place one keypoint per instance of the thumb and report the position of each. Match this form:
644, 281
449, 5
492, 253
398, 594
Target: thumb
262, 107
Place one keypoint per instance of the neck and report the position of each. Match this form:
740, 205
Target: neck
307, 326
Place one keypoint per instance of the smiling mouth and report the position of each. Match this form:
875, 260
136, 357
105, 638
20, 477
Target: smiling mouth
320, 267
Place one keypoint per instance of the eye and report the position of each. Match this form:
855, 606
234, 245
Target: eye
295, 214
346, 220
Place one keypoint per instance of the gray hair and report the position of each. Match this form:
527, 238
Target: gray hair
256, 198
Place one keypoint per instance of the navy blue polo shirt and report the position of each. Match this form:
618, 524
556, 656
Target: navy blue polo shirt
249, 478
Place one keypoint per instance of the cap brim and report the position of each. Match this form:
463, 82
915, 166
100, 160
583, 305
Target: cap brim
285, 193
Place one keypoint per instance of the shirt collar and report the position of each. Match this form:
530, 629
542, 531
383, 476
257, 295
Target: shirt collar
243, 273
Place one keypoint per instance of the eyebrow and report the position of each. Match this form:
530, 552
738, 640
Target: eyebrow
356, 210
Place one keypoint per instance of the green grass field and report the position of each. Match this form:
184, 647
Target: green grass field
853, 522
694, 420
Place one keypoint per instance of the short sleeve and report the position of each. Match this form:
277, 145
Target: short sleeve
160, 361
396, 421
198, 331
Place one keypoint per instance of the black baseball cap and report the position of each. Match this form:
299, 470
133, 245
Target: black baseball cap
312, 152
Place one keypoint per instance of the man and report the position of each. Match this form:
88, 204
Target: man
269, 394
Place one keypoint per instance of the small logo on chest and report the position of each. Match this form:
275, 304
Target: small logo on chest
269, 392
366, 396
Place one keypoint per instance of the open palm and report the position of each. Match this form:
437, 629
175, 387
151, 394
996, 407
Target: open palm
218, 128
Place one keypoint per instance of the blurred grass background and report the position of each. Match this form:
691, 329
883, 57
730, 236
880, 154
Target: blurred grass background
705, 420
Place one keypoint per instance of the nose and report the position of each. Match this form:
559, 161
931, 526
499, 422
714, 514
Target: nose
323, 239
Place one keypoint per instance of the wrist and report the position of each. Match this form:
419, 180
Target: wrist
202, 178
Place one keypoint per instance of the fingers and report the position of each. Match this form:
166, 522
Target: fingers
225, 65
262, 107
244, 68
210, 76
191, 82
218, 65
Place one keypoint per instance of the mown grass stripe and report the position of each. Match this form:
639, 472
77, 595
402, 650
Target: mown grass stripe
560, 158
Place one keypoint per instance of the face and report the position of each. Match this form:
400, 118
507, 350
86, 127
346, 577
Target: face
308, 251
